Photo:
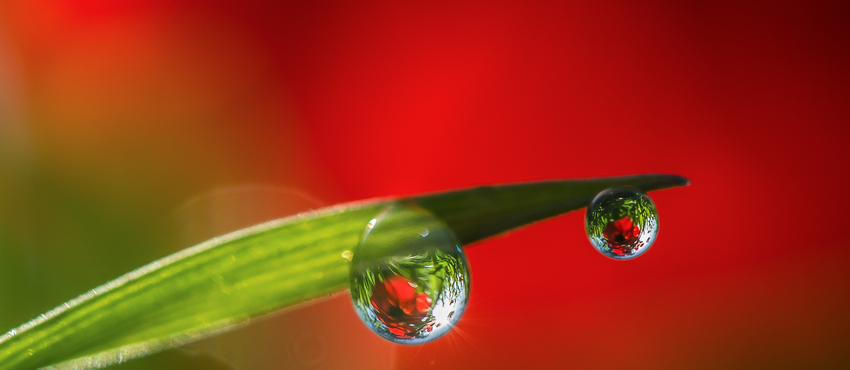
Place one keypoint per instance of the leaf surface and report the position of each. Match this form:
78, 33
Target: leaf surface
228, 280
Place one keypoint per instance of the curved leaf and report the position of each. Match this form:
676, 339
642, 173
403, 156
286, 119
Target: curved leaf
230, 279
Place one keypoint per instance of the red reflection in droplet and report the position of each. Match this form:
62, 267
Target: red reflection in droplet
399, 306
621, 235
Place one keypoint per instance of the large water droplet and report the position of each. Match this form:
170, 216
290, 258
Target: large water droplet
621, 222
409, 277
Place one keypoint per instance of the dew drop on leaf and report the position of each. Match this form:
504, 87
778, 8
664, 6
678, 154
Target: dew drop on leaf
621, 222
409, 277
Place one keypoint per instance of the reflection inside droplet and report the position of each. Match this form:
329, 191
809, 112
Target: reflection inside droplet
409, 277
621, 222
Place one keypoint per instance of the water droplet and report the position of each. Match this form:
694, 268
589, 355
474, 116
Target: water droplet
408, 287
621, 222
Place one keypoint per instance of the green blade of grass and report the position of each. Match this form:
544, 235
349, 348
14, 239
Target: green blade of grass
228, 280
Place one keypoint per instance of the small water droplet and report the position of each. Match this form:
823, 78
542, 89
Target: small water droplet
347, 255
621, 222
408, 287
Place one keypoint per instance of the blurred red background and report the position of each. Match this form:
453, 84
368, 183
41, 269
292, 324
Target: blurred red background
112, 114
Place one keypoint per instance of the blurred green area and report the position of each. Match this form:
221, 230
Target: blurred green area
111, 156
106, 130
70, 227
59, 241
